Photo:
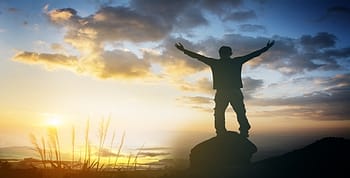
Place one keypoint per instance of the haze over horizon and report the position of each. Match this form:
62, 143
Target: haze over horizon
64, 62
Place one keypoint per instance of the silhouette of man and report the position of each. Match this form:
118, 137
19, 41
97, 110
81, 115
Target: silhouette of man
227, 81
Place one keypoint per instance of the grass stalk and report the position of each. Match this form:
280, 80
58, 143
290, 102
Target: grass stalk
103, 129
73, 146
86, 141
111, 147
119, 150
37, 148
43, 150
137, 155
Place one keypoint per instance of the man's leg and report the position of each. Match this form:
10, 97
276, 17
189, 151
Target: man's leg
238, 106
221, 103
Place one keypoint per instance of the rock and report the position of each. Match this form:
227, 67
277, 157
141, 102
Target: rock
225, 151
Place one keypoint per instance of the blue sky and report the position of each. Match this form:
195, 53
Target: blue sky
76, 59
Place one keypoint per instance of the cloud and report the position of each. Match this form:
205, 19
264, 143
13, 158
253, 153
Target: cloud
198, 100
174, 62
108, 24
137, 22
340, 12
122, 64
191, 19
293, 56
122, 23
154, 148
61, 15
201, 103
49, 60
180, 15
328, 104
320, 41
251, 86
57, 47
110, 64
153, 154
240, 16
106, 153
154, 21
339, 9
252, 28
13, 10
202, 85
221, 7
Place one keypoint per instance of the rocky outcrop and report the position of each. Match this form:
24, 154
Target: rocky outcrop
230, 150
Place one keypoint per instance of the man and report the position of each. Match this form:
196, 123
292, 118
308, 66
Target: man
227, 81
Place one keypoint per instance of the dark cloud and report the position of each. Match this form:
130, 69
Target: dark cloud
339, 9
191, 19
252, 28
328, 104
180, 14
59, 16
106, 153
153, 154
220, 7
320, 41
174, 62
154, 148
336, 13
240, 16
291, 56
110, 24
71, 11
339, 53
153, 21
166, 10
12, 10
251, 86
121, 23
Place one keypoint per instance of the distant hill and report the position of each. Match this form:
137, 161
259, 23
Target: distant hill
17, 152
325, 158
328, 157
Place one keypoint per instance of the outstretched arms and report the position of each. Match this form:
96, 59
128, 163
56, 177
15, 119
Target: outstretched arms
202, 58
257, 52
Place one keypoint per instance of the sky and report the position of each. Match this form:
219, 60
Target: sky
64, 63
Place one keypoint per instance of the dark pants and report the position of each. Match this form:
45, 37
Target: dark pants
235, 98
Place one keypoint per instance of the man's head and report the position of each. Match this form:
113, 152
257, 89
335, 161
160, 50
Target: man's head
225, 52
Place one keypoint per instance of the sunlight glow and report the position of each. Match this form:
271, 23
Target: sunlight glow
53, 121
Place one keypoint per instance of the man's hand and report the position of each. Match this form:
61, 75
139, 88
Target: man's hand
270, 44
179, 46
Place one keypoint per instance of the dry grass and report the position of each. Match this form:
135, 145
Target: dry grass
103, 129
119, 149
50, 151
73, 146
37, 148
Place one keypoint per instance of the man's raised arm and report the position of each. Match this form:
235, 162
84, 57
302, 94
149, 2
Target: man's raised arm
202, 58
257, 52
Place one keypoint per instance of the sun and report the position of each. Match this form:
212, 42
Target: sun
53, 121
